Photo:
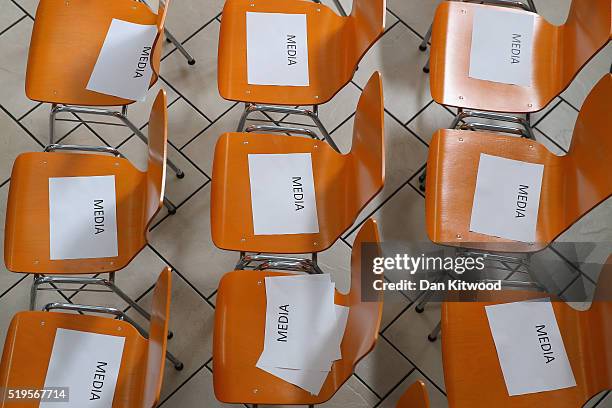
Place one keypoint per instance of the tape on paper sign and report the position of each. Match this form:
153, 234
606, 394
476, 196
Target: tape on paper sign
82, 217
507, 198
502, 42
277, 49
88, 364
283, 194
123, 68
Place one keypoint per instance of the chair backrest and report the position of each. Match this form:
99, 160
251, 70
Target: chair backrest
158, 151
587, 29
368, 146
158, 338
367, 24
415, 397
364, 316
588, 178
158, 45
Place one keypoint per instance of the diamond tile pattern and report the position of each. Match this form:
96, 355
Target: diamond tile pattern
198, 115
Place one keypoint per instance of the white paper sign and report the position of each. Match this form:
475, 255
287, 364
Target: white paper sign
300, 324
82, 217
507, 198
529, 346
87, 363
277, 49
283, 194
304, 329
501, 48
123, 68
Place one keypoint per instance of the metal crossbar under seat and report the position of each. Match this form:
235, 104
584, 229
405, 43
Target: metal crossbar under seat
506, 123
530, 6
178, 365
278, 127
88, 110
260, 262
101, 149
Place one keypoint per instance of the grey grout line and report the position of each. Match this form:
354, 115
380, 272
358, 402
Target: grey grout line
389, 197
192, 375
412, 362
191, 36
22, 9
185, 98
601, 399
181, 275
395, 387
570, 104
415, 32
365, 384
13, 24
30, 111
553, 141
208, 126
416, 115
570, 263
178, 206
9, 114
13, 285
537, 122
399, 122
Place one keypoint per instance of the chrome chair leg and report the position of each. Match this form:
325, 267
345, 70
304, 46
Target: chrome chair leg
170, 38
33, 292
171, 207
426, 67
433, 335
423, 45
122, 116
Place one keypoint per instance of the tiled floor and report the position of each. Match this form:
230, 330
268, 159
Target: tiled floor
198, 116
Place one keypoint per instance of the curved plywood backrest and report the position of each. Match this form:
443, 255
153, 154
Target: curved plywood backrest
587, 29
415, 396
367, 25
158, 146
158, 45
364, 316
368, 147
158, 338
588, 178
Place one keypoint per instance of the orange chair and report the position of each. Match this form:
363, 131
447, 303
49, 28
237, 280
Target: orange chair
528, 5
578, 181
468, 351
335, 46
415, 397
138, 196
572, 185
559, 52
64, 48
30, 338
344, 184
239, 335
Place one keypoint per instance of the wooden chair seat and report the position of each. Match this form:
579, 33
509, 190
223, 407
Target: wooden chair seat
240, 316
335, 45
571, 186
66, 41
559, 52
344, 184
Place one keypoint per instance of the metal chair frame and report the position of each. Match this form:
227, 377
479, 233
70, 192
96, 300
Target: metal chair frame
119, 314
